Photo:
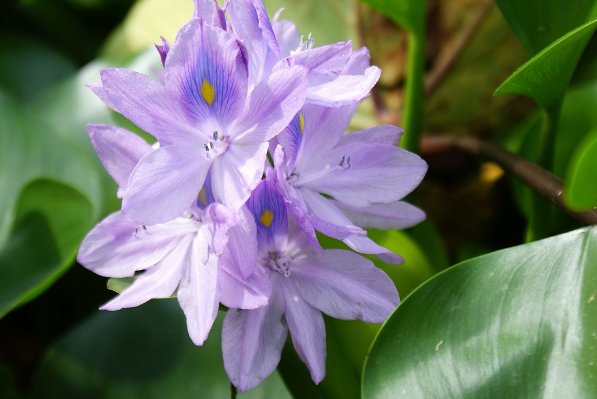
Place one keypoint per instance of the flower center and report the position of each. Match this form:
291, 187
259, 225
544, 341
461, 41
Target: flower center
279, 263
297, 180
218, 145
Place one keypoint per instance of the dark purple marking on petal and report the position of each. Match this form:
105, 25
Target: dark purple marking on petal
290, 139
269, 210
207, 71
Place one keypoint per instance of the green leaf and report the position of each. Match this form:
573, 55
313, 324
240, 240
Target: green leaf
30, 149
519, 322
577, 120
581, 183
546, 76
409, 14
143, 352
51, 220
538, 23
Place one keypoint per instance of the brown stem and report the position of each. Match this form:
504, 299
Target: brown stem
448, 58
543, 182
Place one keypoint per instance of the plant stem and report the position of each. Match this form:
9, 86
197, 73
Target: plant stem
538, 179
414, 92
233, 391
450, 55
539, 218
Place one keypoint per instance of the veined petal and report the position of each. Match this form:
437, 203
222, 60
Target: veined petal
235, 173
382, 134
287, 35
219, 220
143, 101
204, 9
100, 92
252, 25
329, 60
273, 104
117, 247
394, 215
159, 281
328, 218
322, 130
360, 175
268, 208
241, 252
252, 342
165, 183
307, 329
118, 149
240, 292
198, 292
346, 286
358, 63
207, 73
343, 89
365, 245
290, 139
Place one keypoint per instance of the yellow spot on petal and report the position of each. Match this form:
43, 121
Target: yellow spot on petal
203, 196
301, 122
266, 218
207, 92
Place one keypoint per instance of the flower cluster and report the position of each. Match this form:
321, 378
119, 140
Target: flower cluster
251, 160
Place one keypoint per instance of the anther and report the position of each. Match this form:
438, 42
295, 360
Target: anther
206, 147
215, 135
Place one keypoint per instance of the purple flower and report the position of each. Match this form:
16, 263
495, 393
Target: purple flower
206, 117
180, 257
332, 81
341, 184
305, 282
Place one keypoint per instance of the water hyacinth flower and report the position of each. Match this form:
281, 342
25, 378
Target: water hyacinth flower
342, 184
306, 281
270, 46
200, 222
180, 257
205, 117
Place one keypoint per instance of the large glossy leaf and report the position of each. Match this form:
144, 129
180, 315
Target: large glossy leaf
546, 76
51, 220
30, 149
409, 14
581, 183
143, 352
519, 322
538, 23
